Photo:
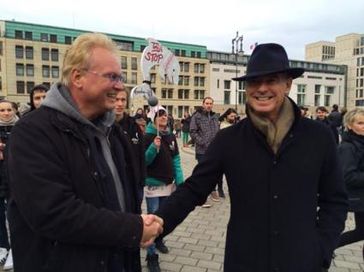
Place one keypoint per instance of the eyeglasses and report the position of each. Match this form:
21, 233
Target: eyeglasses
114, 78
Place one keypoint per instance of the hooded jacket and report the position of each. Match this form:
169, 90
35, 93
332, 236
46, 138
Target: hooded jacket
60, 214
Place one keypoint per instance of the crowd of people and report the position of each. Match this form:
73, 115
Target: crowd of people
87, 165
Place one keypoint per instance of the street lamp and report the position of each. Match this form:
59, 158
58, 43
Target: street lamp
237, 48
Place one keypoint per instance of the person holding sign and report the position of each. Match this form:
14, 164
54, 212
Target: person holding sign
163, 171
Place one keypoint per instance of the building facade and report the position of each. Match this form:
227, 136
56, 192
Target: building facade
32, 54
349, 51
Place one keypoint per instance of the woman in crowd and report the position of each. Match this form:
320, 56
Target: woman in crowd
351, 151
8, 119
163, 171
228, 118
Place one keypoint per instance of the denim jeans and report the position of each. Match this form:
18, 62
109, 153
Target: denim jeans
153, 204
4, 240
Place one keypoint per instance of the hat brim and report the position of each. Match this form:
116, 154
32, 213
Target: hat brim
292, 72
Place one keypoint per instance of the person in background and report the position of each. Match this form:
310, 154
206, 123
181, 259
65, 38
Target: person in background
321, 117
164, 171
36, 96
8, 118
203, 128
336, 118
351, 154
288, 199
186, 120
135, 135
73, 202
228, 118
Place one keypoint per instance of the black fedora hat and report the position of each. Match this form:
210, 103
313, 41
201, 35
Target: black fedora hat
269, 58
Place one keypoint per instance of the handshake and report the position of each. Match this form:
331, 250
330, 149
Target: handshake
152, 228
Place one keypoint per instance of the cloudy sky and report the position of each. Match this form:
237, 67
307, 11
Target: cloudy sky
212, 23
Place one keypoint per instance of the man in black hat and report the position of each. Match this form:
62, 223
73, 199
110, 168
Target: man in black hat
288, 202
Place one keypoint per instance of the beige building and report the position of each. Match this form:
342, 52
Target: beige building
32, 54
349, 51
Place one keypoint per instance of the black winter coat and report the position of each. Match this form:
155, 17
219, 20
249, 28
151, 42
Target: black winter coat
287, 210
351, 151
57, 215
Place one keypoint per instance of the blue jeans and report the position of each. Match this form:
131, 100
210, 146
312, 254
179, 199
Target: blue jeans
153, 204
4, 240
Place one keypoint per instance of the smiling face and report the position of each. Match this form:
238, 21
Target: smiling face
93, 89
265, 94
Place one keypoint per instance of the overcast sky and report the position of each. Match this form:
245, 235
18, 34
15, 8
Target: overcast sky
211, 23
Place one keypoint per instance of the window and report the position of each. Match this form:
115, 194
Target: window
125, 76
301, 93
183, 53
30, 86
227, 84
186, 80
55, 72
180, 80
29, 52
54, 54
199, 68
134, 63
152, 78
317, 100
44, 37
227, 97
124, 62
199, 81
218, 83
184, 66
45, 53
47, 84
134, 76
241, 97
28, 35
19, 52
317, 89
199, 94
1, 84
30, 70
181, 110
164, 93
18, 34
19, 69
67, 40
1, 48
45, 70
170, 94
20, 87
53, 38
124, 45
183, 94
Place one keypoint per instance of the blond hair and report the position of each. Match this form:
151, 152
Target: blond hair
350, 116
79, 53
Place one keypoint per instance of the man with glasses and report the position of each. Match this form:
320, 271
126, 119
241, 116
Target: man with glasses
74, 197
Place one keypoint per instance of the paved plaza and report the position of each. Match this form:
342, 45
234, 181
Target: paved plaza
197, 245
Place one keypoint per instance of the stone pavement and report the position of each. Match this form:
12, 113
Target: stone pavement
197, 245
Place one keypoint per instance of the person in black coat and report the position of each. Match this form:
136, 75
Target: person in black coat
288, 201
351, 151
135, 136
73, 202
321, 117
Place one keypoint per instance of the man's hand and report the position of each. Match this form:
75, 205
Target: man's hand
152, 228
